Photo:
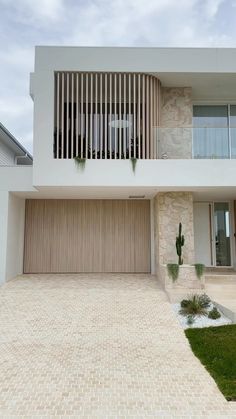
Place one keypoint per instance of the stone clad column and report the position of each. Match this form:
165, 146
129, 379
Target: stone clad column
172, 208
176, 122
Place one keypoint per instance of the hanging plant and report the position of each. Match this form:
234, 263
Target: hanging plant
133, 161
173, 271
80, 162
199, 269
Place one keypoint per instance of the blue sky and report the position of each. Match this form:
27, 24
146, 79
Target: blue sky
26, 23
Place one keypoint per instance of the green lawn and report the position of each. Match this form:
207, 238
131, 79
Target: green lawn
216, 349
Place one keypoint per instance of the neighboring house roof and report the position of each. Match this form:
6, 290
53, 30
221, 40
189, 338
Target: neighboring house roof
22, 156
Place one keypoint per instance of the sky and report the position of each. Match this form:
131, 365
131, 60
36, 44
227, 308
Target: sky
163, 23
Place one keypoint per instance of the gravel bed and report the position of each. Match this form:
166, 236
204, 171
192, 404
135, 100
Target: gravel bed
200, 321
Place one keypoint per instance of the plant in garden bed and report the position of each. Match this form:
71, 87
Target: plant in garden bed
214, 314
199, 269
179, 243
195, 306
173, 271
190, 320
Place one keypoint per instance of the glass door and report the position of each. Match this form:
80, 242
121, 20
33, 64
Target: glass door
222, 234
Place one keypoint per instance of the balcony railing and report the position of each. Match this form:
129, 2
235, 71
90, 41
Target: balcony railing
196, 142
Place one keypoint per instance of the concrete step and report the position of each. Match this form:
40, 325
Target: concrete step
227, 307
221, 288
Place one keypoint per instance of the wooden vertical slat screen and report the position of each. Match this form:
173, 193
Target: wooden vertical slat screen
110, 116
134, 112
105, 120
115, 111
101, 121
72, 115
82, 116
91, 112
67, 113
77, 114
106, 115
124, 114
143, 118
86, 118
130, 123
138, 116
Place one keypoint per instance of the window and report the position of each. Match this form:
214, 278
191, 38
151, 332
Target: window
214, 131
211, 132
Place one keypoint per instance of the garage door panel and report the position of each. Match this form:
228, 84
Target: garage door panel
87, 236
37, 238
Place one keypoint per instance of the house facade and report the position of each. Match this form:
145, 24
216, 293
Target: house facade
128, 143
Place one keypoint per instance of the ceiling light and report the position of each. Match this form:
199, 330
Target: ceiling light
120, 123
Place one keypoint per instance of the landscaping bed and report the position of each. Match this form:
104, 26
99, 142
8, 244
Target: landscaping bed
197, 311
200, 321
216, 349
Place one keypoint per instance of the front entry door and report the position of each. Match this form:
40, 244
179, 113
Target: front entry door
212, 233
222, 234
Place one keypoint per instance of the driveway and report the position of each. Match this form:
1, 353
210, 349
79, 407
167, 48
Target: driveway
98, 346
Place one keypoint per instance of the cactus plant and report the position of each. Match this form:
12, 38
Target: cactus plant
179, 244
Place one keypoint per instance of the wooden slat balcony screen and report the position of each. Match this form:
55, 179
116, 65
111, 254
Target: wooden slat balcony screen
105, 115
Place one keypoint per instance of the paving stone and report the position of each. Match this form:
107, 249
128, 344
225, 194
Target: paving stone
98, 346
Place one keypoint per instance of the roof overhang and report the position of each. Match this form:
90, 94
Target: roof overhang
10, 141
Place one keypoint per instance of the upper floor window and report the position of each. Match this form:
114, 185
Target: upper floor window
214, 131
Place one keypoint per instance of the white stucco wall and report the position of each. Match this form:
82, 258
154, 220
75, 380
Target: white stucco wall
12, 209
3, 234
12, 216
172, 173
16, 178
15, 236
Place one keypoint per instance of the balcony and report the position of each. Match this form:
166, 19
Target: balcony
118, 116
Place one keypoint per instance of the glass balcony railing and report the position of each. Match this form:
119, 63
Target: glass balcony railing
196, 142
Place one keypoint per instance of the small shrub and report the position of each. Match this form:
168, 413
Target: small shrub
205, 301
199, 269
193, 306
190, 320
184, 303
173, 271
214, 314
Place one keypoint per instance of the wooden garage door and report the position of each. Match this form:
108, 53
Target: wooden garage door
87, 236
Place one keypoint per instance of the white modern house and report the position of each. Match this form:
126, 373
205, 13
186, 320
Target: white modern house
154, 134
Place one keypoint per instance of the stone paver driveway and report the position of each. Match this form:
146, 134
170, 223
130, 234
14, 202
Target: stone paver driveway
98, 346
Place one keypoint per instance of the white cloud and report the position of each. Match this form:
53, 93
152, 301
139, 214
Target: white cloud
212, 6
25, 23
34, 9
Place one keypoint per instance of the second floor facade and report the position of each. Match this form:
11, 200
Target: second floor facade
107, 106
